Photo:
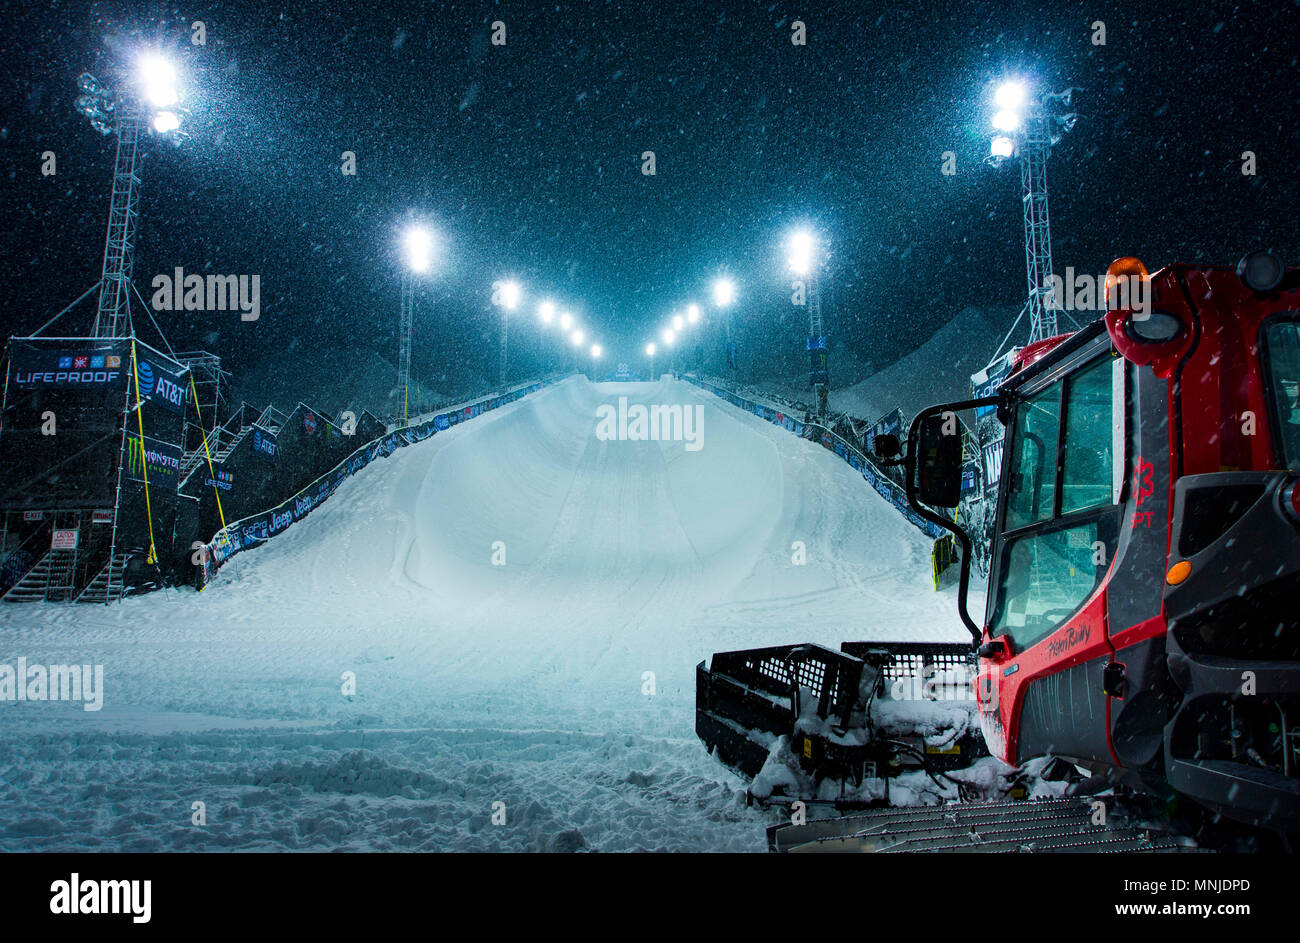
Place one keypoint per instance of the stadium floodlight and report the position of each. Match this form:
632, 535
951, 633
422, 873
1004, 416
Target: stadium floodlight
158, 81
1006, 121
1010, 95
166, 121
135, 109
678, 321
566, 321
1029, 123
417, 248
576, 338
649, 350
595, 351
546, 312
668, 337
505, 295
418, 243
724, 292
693, 313
508, 294
802, 248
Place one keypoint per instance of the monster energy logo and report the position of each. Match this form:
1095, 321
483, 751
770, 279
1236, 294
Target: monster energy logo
156, 457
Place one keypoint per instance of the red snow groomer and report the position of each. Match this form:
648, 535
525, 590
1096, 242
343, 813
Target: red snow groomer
1143, 612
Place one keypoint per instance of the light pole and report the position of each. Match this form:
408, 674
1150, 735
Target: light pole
505, 295
152, 102
804, 262
668, 337
418, 245
546, 315
595, 355
650, 352
1029, 126
724, 295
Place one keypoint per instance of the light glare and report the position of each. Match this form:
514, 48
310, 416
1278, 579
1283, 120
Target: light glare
1010, 95
1006, 121
166, 121
1002, 147
419, 249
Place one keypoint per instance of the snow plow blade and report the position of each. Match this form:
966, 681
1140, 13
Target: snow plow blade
1050, 825
822, 700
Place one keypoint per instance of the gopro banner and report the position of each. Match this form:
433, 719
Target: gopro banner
35, 368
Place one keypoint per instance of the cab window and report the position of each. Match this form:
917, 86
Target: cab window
1060, 526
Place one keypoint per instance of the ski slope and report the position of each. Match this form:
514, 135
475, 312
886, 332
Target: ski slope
560, 683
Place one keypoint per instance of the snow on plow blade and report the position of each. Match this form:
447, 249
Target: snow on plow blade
828, 705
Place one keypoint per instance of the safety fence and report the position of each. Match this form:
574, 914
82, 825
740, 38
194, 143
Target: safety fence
256, 529
942, 554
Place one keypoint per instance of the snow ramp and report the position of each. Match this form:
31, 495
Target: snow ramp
511, 610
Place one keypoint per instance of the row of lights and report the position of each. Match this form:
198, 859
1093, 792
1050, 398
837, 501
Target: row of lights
508, 294
724, 295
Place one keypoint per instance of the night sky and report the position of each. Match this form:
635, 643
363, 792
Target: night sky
526, 158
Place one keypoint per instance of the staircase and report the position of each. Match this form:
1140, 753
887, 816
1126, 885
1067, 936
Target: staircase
51, 580
107, 586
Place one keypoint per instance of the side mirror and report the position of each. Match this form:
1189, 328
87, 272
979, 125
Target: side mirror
886, 445
938, 462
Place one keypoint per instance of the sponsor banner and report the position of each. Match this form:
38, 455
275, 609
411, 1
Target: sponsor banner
258, 528
162, 460
264, 445
992, 453
889, 424
225, 480
102, 517
69, 368
818, 372
63, 540
986, 382
161, 385
309, 423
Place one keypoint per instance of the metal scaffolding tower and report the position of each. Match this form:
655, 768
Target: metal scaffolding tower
1038, 231
113, 317
1046, 121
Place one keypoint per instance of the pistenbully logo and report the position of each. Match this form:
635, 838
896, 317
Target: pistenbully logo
657, 423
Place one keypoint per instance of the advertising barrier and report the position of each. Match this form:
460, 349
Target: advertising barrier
256, 529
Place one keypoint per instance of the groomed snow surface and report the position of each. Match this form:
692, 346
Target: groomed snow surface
524, 684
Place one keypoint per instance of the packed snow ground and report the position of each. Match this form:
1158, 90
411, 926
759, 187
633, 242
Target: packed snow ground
525, 684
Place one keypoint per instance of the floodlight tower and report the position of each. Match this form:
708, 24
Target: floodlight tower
546, 317
418, 244
152, 101
804, 262
724, 295
650, 352
1029, 126
505, 295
